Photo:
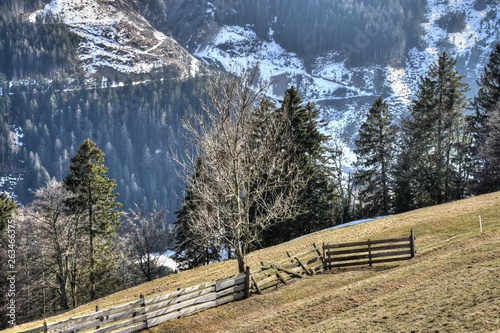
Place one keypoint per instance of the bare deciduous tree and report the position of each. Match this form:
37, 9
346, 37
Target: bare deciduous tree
251, 180
149, 239
57, 234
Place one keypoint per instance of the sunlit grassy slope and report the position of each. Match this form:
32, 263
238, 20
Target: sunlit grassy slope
453, 285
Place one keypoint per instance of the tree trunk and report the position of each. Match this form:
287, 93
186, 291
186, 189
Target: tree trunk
240, 257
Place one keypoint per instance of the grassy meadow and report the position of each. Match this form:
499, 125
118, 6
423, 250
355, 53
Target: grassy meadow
453, 284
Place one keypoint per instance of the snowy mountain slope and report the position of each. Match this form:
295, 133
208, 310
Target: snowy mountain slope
471, 46
345, 93
117, 38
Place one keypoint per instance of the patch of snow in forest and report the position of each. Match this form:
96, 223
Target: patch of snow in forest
165, 259
239, 47
8, 184
332, 67
395, 79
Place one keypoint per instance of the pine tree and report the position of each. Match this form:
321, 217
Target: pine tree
94, 202
375, 156
485, 104
188, 252
488, 94
435, 131
309, 151
405, 185
488, 175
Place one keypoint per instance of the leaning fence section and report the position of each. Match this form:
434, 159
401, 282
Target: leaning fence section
282, 272
146, 313
369, 252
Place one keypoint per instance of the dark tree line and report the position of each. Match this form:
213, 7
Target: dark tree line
137, 126
45, 48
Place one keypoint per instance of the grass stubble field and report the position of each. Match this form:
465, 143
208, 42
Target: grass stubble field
453, 284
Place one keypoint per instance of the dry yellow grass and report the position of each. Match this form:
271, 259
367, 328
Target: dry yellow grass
452, 285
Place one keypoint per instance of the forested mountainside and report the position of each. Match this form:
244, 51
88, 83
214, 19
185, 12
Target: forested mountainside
310, 28
43, 49
137, 126
342, 55
50, 104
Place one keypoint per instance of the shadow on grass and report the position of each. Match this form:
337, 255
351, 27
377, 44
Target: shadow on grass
378, 268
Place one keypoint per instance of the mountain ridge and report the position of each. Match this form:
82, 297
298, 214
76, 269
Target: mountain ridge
117, 38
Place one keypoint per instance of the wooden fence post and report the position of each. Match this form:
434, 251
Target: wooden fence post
412, 244
97, 310
369, 253
247, 282
143, 305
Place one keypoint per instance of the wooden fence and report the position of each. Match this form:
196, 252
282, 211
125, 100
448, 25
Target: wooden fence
146, 313
297, 266
369, 252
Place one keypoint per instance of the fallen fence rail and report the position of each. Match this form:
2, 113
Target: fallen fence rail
369, 252
306, 263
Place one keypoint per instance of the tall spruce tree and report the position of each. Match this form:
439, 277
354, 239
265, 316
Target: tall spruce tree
434, 131
405, 186
94, 203
375, 158
488, 171
488, 96
308, 150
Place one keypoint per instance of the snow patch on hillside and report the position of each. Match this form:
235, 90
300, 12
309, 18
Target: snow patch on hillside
236, 47
480, 33
115, 36
345, 94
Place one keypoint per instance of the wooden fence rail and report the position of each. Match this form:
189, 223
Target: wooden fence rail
369, 252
